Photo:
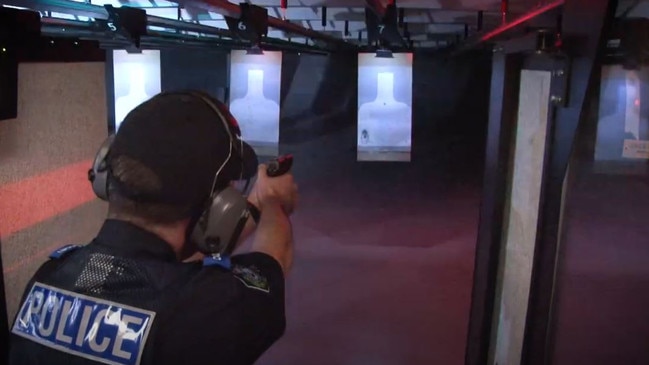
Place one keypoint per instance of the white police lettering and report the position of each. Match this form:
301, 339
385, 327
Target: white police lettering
35, 306
65, 313
94, 333
124, 334
103, 331
48, 316
87, 311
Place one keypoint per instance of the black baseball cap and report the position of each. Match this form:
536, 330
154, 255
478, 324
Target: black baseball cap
184, 138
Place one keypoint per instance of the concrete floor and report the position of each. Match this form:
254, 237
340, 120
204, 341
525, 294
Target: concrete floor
603, 277
384, 264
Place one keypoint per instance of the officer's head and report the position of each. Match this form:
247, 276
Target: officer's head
166, 155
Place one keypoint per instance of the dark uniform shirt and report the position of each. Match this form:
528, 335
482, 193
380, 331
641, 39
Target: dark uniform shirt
125, 299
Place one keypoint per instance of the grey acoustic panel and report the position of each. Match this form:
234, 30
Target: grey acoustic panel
61, 118
60, 124
522, 216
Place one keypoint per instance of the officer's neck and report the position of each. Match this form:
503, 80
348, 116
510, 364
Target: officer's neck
172, 233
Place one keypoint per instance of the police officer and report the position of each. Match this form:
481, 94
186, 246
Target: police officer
131, 296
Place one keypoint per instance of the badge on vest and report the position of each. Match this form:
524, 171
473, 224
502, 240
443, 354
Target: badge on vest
92, 328
251, 277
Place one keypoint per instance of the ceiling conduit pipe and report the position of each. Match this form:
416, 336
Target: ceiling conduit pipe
521, 20
507, 27
226, 8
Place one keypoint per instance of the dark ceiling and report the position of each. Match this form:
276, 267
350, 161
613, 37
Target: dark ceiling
427, 24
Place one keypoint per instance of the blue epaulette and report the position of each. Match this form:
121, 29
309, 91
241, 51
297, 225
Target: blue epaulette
223, 262
64, 251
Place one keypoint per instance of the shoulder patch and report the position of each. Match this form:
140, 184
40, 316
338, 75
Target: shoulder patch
63, 251
251, 277
223, 262
92, 328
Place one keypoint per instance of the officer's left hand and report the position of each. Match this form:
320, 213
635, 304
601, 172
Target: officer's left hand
253, 197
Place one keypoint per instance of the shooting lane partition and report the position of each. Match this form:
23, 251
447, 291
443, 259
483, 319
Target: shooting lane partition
539, 84
519, 230
45, 198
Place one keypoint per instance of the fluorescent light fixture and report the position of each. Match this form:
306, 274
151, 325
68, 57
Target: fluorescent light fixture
384, 53
255, 50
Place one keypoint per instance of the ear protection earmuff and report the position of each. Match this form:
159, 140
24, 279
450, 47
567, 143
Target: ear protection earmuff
98, 174
219, 226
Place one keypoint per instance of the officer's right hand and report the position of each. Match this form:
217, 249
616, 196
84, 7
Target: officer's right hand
275, 190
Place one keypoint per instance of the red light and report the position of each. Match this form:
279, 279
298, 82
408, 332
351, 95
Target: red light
283, 6
637, 102
522, 19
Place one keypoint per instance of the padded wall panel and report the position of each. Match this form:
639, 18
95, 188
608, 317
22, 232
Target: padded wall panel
45, 199
61, 118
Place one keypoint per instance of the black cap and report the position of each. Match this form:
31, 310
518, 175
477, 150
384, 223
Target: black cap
184, 138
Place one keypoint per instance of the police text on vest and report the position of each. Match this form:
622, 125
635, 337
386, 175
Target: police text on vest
93, 328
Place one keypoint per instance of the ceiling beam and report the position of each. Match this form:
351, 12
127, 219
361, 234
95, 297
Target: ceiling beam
99, 12
61, 6
226, 8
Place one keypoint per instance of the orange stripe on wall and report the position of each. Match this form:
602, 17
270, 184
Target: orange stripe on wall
41, 197
41, 254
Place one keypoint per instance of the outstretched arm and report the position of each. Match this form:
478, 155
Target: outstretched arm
274, 235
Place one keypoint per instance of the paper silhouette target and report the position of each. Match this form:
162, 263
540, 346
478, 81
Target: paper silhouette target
623, 126
385, 122
385, 107
136, 80
257, 115
254, 95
